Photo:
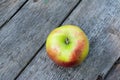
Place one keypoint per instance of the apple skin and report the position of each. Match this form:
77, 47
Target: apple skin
67, 45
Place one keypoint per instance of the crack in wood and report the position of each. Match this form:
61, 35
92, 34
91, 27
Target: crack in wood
111, 69
13, 14
35, 0
117, 62
70, 12
29, 62
100, 77
114, 31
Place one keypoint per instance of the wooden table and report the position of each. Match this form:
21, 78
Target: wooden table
25, 24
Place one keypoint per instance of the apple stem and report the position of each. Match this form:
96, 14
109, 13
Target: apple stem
67, 41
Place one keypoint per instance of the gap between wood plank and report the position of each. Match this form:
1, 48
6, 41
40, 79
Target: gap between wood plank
100, 77
45, 41
13, 14
114, 66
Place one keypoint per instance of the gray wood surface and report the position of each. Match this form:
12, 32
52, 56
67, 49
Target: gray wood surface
100, 19
26, 32
8, 9
115, 72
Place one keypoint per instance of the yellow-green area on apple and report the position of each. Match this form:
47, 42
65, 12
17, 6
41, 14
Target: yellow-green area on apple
67, 45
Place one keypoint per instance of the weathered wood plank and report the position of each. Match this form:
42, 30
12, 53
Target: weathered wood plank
8, 8
26, 32
115, 72
100, 20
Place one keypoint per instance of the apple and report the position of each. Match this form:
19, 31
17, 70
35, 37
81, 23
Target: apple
67, 45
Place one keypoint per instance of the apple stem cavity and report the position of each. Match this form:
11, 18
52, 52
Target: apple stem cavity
67, 41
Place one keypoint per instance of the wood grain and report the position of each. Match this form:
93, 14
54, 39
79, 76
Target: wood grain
114, 72
8, 8
100, 21
26, 32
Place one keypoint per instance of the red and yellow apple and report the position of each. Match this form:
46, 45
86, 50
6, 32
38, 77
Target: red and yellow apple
67, 45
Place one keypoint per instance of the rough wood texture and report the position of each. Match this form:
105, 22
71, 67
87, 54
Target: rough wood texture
8, 8
100, 19
26, 32
115, 72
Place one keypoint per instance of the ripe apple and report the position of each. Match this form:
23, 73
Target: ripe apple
67, 45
